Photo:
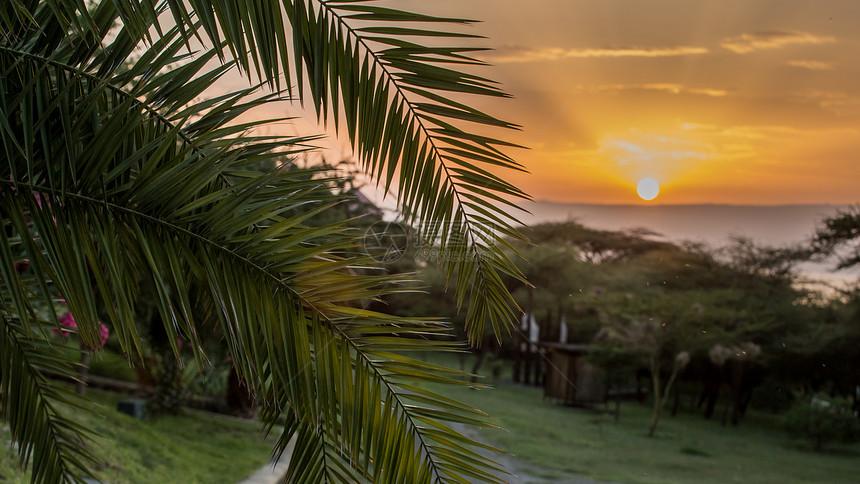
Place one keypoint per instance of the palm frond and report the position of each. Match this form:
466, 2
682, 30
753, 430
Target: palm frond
404, 109
30, 402
111, 176
400, 108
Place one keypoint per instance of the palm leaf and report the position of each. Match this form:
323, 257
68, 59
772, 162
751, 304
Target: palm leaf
136, 183
357, 64
29, 401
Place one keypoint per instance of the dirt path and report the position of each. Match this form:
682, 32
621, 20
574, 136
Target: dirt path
520, 472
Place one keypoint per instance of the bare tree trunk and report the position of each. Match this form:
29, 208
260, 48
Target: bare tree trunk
660, 398
479, 358
713, 391
737, 388
655, 384
676, 403
240, 400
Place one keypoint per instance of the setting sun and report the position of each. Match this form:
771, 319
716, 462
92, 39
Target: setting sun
648, 188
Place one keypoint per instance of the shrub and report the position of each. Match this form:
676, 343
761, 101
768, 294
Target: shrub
821, 420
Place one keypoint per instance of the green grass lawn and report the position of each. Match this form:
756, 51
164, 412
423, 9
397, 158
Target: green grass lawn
192, 448
553, 443
557, 443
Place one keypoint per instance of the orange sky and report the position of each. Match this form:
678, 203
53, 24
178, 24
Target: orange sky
720, 101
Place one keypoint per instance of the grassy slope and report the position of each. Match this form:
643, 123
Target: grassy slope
193, 448
557, 443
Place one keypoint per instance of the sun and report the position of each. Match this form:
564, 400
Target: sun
648, 188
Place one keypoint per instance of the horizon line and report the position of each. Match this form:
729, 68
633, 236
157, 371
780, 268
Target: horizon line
700, 204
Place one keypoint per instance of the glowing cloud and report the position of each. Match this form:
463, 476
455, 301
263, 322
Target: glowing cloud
513, 54
664, 87
841, 103
746, 43
811, 65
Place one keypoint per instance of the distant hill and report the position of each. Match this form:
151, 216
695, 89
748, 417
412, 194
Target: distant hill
713, 225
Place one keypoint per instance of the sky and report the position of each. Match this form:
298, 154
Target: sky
729, 101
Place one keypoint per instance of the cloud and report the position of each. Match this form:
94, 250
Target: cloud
654, 149
811, 65
514, 54
664, 87
764, 132
741, 133
837, 102
774, 39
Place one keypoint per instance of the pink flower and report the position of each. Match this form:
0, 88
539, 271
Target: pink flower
103, 337
67, 321
104, 333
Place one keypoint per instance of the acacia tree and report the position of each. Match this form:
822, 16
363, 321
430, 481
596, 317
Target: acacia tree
838, 235
645, 335
113, 172
829, 348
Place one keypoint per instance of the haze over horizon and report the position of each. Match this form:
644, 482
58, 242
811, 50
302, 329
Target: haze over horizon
714, 225
711, 223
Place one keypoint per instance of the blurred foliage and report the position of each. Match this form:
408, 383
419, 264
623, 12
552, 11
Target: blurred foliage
822, 420
697, 298
840, 236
